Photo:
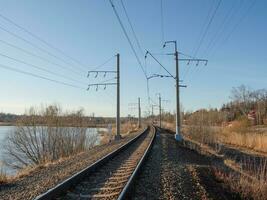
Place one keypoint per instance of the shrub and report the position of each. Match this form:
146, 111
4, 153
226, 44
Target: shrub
43, 136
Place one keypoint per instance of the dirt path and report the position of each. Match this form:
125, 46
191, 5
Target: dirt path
174, 172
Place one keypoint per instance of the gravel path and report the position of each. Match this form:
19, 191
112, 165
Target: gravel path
174, 172
45, 178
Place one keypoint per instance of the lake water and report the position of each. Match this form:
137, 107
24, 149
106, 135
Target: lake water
5, 130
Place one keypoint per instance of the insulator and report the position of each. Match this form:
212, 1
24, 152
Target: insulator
88, 74
96, 74
188, 62
105, 87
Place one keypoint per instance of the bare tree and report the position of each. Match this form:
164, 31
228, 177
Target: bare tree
241, 97
46, 135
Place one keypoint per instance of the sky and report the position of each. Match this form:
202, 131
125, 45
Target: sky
232, 38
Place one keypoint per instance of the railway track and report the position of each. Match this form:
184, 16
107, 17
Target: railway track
109, 178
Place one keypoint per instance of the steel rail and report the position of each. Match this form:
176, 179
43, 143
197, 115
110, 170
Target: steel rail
76, 178
130, 183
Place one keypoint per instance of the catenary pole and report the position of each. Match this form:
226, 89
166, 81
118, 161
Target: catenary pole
118, 136
159, 111
178, 120
139, 113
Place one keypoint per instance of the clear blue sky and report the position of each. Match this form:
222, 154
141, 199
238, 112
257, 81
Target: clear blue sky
235, 45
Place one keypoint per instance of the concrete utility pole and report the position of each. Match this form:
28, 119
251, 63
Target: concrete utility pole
98, 85
118, 136
139, 113
159, 111
159, 95
178, 136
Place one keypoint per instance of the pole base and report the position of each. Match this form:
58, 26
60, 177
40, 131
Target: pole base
178, 137
118, 137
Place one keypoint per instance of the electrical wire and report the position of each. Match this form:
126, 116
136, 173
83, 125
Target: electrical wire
38, 76
134, 34
226, 20
162, 21
204, 34
126, 35
239, 22
42, 40
204, 25
37, 47
207, 28
37, 56
40, 68
105, 62
160, 65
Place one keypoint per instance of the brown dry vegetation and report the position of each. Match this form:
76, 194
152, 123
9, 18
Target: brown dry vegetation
241, 141
3, 176
31, 145
125, 129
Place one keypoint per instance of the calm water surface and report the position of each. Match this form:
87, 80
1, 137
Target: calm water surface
5, 130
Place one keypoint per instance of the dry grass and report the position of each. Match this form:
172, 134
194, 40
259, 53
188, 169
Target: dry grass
250, 176
3, 178
254, 141
3, 175
250, 186
126, 129
240, 134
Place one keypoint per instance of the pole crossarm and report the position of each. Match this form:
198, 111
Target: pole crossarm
171, 41
158, 76
99, 84
147, 52
194, 60
98, 72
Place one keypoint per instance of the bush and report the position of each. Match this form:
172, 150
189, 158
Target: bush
241, 125
43, 136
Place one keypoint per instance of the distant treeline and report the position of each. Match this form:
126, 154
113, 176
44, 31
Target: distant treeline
9, 118
244, 104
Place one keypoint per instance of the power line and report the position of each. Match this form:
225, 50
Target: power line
134, 34
228, 18
204, 34
162, 21
40, 68
105, 62
37, 56
239, 21
42, 40
37, 47
204, 25
125, 33
41, 77
147, 52
207, 28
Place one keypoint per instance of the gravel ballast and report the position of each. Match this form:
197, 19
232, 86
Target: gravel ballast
44, 178
174, 172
